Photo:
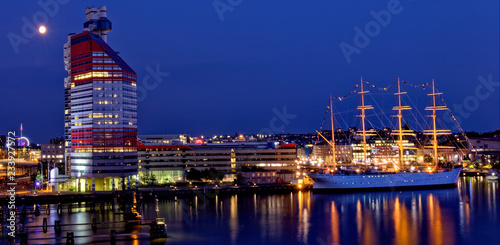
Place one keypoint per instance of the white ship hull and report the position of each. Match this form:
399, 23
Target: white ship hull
385, 181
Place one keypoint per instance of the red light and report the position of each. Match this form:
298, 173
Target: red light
198, 141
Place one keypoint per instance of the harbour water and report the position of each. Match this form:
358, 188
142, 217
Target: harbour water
469, 213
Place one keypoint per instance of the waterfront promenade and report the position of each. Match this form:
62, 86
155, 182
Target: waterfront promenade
148, 193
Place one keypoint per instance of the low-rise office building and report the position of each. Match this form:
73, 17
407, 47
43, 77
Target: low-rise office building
257, 178
53, 154
169, 163
487, 149
343, 153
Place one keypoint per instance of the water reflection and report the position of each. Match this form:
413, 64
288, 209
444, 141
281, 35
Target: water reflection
402, 226
233, 220
304, 205
335, 223
463, 215
414, 217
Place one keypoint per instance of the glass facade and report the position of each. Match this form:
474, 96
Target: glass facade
100, 112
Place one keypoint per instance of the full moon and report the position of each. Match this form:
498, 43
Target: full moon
42, 29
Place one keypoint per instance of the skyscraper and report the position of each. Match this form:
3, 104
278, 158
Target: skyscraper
100, 109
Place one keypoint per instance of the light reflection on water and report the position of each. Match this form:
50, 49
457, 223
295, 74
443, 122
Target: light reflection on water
463, 215
459, 215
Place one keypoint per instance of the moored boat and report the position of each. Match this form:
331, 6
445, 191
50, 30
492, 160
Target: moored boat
389, 181
492, 175
368, 179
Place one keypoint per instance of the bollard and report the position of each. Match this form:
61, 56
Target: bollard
37, 210
57, 226
47, 211
59, 209
20, 228
44, 225
158, 229
94, 225
157, 209
24, 238
11, 241
70, 239
114, 204
70, 208
113, 236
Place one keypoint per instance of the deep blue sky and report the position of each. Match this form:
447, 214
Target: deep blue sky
227, 76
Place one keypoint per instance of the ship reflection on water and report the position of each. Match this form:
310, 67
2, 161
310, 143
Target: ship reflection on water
468, 213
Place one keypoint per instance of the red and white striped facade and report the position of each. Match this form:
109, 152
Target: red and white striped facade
101, 109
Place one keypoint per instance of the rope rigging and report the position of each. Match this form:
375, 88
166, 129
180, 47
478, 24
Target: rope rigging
422, 85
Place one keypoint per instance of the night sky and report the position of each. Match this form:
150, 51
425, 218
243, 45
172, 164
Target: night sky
227, 71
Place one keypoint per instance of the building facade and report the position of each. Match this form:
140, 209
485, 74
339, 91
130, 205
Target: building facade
487, 149
100, 109
168, 163
164, 139
53, 154
257, 178
384, 151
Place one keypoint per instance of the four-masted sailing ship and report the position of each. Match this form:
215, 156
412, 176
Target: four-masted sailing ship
365, 178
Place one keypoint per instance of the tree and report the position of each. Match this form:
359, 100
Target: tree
193, 174
206, 174
148, 179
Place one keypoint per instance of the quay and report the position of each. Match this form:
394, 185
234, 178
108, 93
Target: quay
474, 172
146, 193
132, 216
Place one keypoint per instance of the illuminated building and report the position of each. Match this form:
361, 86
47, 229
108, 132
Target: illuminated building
53, 154
168, 163
343, 152
26, 156
488, 149
100, 109
3, 142
164, 139
257, 177
385, 151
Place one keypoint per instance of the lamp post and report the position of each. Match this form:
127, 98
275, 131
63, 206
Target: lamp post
49, 187
41, 179
48, 175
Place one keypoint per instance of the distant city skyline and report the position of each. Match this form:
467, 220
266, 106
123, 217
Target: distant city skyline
201, 74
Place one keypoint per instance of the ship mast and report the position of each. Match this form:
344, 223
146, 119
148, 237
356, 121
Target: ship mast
333, 135
363, 132
400, 132
434, 131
